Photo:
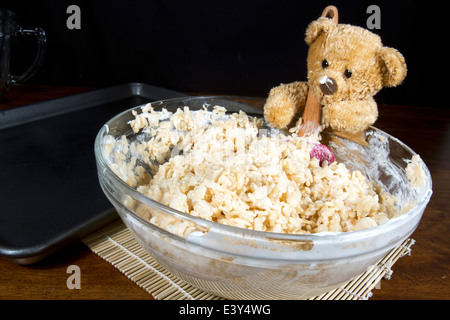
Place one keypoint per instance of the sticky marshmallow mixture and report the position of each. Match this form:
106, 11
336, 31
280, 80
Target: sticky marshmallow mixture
228, 169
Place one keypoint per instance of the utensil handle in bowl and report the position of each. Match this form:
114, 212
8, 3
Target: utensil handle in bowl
332, 13
311, 116
313, 110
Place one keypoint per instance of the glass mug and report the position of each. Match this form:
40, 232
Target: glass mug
8, 30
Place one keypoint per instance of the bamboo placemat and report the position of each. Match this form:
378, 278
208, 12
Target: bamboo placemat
115, 244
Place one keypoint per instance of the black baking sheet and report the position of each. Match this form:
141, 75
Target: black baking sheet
49, 190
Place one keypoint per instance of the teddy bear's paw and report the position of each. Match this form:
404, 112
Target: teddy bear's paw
279, 112
284, 103
351, 117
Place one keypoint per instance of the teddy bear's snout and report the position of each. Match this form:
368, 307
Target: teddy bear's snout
328, 85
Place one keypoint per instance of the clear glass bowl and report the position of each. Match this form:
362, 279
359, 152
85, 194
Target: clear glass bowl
238, 263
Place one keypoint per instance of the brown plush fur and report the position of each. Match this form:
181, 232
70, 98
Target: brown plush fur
351, 108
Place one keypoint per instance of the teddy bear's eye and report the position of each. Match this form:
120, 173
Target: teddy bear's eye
325, 64
347, 73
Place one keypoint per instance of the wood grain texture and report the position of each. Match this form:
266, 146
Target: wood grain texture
311, 117
423, 275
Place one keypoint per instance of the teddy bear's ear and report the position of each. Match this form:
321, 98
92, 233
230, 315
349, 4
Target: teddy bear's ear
317, 27
393, 66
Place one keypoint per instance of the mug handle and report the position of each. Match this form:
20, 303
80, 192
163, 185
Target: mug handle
38, 60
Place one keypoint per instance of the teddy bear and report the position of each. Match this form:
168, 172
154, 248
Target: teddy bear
347, 65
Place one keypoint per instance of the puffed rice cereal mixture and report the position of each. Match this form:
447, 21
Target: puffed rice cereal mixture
228, 169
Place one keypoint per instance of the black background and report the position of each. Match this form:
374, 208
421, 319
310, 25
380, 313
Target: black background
223, 47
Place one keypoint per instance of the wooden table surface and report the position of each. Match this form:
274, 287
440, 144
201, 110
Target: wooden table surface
423, 275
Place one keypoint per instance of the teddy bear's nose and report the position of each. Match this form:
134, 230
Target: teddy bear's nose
327, 85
